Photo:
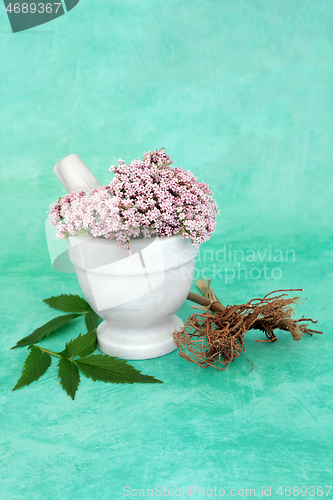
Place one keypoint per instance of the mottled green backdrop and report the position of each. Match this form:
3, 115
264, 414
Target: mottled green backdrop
240, 92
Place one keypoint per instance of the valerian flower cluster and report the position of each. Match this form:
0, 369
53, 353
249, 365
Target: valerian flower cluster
144, 198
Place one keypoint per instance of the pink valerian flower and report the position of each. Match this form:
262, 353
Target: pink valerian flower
144, 198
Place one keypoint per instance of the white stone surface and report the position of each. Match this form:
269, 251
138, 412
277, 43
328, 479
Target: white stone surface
74, 175
136, 292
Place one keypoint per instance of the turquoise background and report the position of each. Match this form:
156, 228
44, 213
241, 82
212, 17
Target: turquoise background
240, 92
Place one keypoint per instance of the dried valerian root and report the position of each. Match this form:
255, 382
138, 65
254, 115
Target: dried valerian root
216, 337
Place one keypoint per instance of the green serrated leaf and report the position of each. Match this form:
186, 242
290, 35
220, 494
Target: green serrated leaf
109, 369
81, 346
68, 303
91, 320
34, 367
69, 376
45, 330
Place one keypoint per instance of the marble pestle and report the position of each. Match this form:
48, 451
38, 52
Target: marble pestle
74, 175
